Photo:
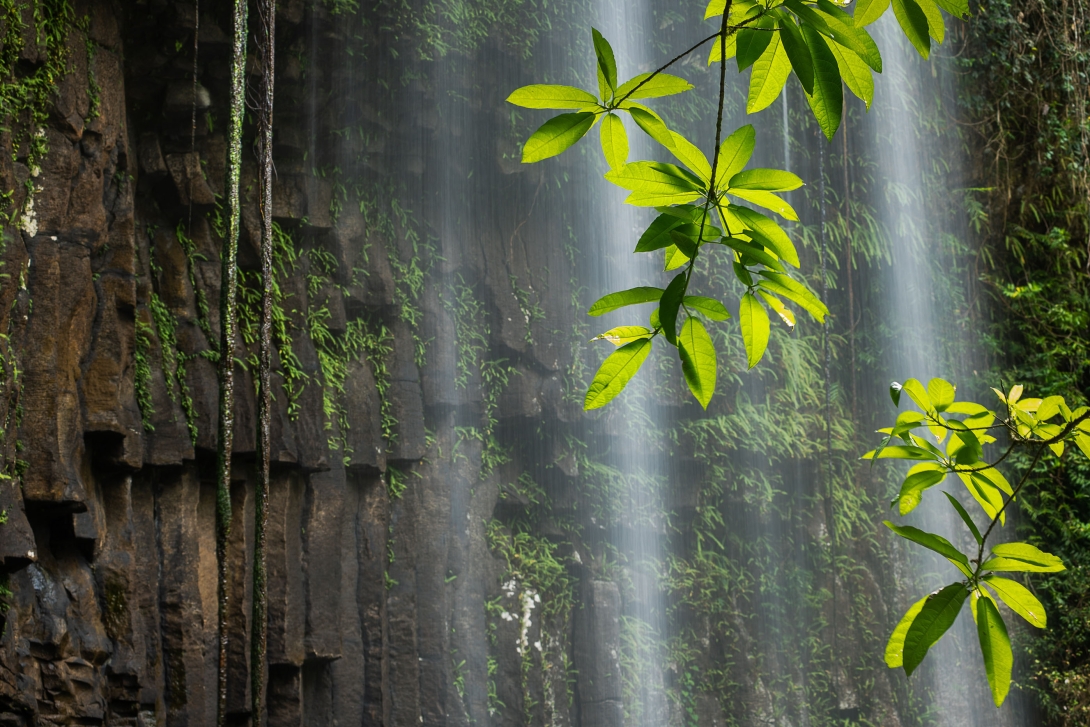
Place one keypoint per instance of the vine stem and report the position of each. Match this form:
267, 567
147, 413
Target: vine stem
228, 333
267, 17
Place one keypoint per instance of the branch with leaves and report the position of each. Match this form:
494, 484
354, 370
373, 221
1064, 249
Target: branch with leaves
705, 206
1037, 424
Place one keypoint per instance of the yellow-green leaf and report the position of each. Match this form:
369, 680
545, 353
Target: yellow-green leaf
995, 647
623, 334
614, 141
913, 22
689, 155
698, 360
556, 135
867, 11
662, 84
935, 26
734, 153
896, 645
755, 328
855, 72
615, 373
1019, 599
768, 76
777, 305
768, 200
937, 615
543, 96
710, 307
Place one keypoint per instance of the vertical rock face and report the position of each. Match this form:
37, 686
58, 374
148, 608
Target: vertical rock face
436, 554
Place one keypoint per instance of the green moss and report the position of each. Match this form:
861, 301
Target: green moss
142, 373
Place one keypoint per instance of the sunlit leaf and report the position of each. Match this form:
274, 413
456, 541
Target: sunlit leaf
689, 155
709, 307
768, 76
795, 291
1019, 599
607, 65
657, 235
614, 141
827, 99
867, 11
995, 646
918, 394
935, 26
651, 123
556, 135
734, 153
716, 53
957, 8
964, 517
698, 360
856, 74
1022, 557
670, 305
771, 180
674, 259
777, 305
795, 46
914, 23
896, 645
984, 492
620, 299
939, 612
543, 96
867, 49
615, 373
655, 180
754, 253
768, 200
752, 43
623, 334
937, 543
828, 25
662, 84
920, 478
755, 328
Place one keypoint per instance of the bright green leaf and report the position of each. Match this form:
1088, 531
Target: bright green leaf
716, 53
556, 135
857, 76
710, 307
698, 360
670, 305
755, 328
1019, 599
734, 153
896, 645
767, 200
995, 646
827, 99
937, 615
937, 543
770, 180
964, 517
650, 181
662, 84
632, 296
651, 123
607, 65
768, 76
674, 259
795, 291
614, 141
914, 23
1022, 557
941, 393
957, 8
551, 97
615, 373
920, 478
777, 305
623, 334
753, 253
935, 26
657, 235
689, 155
867, 11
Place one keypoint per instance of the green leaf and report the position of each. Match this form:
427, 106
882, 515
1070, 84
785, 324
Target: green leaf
896, 645
1022, 557
689, 155
751, 44
941, 393
607, 65
914, 23
777, 305
615, 373
857, 76
867, 11
756, 253
734, 153
661, 85
556, 135
657, 235
651, 123
768, 76
767, 200
771, 180
995, 646
918, 394
543, 96
674, 259
710, 307
716, 53
1019, 599
670, 305
937, 543
614, 141
755, 328
827, 99
632, 296
683, 242
801, 60
698, 361
623, 334
895, 389
796, 291
957, 8
919, 478
828, 24
651, 181
984, 492
937, 615
935, 26
899, 451
869, 54
964, 517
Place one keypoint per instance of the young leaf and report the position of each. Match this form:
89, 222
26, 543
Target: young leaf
995, 646
920, 478
689, 155
895, 647
556, 135
607, 65
698, 362
734, 153
710, 307
614, 141
1019, 599
755, 328
661, 85
768, 76
615, 373
867, 11
796, 291
669, 306
857, 76
623, 334
651, 123
797, 52
767, 200
777, 305
937, 543
964, 517
1022, 557
632, 296
543, 96
751, 44
937, 615
770, 180
914, 23
827, 99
